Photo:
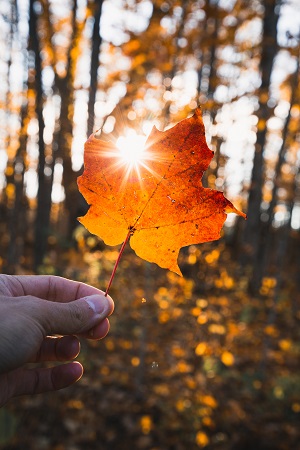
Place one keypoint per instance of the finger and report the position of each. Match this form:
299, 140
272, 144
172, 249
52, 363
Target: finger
36, 381
48, 287
58, 349
75, 317
98, 332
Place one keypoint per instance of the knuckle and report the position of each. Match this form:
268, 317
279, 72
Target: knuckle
77, 316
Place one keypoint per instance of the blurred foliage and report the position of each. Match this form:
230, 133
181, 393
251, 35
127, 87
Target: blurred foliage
209, 360
189, 362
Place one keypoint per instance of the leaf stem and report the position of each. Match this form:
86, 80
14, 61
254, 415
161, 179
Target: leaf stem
117, 262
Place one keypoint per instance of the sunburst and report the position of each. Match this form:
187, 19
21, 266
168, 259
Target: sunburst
132, 149
131, 153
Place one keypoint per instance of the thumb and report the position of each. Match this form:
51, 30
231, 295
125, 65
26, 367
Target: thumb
77, 316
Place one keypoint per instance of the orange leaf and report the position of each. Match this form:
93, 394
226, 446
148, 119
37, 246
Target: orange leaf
159, 199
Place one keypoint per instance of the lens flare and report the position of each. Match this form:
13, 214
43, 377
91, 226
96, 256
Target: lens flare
131, 147
131, 155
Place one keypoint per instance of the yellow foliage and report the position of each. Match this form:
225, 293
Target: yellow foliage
233, 329
139, 292
180, 405
167, 67
75, 404
201, 349
138, 60
271, 330
190, 383
225, 281
109, 344
91, 241
183, 367
227, 358
178, 351
9, 171
111, 255
204, 411
218, 283
207, 421
202, 319
261, 125
192, 259
295, 110
135, 361
211, 179
10, 191
146, 424
263, 291
105, 370
215, 316
163, 304
216, 328
176, 313
126, 344
285, 344
131, 46
173, 279
162, 389
183, 404
209, 400
264, 97
228, 282
201, 302
195, 311
163, 317
296, 407
162, 292
212, 257
31, 94
75, 52
188, 289
278, 392
202, 440
222, 300
269, 282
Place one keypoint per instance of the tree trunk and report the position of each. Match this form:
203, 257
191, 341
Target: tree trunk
269, 51
96, 44
17, 210
65, 87
44, 181
207, 75
265, 237
17, 216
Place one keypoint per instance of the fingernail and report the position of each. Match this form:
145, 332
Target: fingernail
98, 303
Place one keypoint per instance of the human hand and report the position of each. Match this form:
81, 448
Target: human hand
32, 308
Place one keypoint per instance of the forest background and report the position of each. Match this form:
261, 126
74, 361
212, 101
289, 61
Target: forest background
210, 360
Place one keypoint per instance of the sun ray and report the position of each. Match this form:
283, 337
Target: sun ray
130, 153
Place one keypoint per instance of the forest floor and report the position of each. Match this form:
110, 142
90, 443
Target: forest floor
190, 362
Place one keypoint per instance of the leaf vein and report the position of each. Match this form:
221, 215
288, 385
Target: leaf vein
162, 178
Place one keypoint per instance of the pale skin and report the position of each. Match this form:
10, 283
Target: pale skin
41, 318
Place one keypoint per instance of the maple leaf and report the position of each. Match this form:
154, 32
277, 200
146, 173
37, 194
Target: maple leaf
158, 202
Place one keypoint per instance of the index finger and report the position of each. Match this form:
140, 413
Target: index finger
48, 287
